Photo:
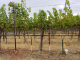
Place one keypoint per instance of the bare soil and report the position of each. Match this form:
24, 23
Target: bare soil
24, 52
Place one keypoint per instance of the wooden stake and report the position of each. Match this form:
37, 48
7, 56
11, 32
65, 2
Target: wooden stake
31, 43
31, 47
19, 36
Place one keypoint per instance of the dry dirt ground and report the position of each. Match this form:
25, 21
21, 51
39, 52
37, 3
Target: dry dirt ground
24, 52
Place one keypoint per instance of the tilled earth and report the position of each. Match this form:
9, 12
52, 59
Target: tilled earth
23, 54
54, 54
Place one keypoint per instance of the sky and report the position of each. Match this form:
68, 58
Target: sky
45, 5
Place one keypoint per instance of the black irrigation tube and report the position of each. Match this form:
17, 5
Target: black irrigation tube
60, 33
40, 35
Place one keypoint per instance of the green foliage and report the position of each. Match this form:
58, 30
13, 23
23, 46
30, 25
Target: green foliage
57, 20
42, 19
3, 17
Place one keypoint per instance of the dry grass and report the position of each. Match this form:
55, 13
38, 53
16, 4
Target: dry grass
55, 45
57, 41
